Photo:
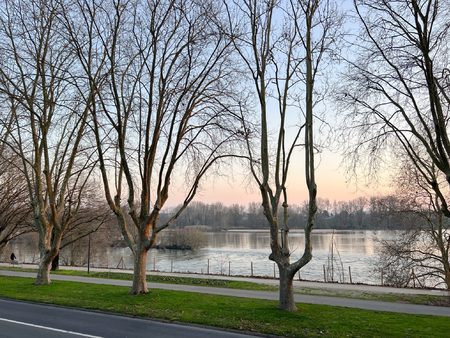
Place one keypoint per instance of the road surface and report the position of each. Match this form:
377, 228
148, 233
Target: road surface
22, 319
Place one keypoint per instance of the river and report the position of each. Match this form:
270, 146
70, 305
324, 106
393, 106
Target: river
241, 252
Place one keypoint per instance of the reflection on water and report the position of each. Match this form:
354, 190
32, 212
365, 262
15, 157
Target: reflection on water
352, 242
236, 252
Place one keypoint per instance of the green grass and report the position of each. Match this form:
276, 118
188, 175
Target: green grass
383, 297
219, 283
228, 312
387, 297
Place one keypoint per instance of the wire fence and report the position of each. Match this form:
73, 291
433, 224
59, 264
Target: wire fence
334, 273
210, 266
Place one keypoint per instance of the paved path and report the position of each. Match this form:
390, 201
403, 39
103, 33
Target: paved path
310, 299
22, 319
272, 281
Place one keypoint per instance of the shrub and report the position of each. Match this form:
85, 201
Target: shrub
183, 239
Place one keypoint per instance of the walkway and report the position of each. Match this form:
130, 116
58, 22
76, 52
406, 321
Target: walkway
333, 301
270, 281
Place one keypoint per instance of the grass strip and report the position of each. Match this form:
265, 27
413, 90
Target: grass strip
175, 280
231, 284
419, 299
222, 283
228, 312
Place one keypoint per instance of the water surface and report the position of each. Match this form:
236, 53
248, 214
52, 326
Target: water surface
240, 252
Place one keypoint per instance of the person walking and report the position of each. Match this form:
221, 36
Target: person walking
13, 258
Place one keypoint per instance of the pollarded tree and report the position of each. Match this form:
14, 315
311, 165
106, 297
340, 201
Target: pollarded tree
40, 96
161, 111
283, 44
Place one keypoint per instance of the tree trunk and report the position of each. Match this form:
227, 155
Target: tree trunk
287, 301
49, 244
140, 272
447, 280
55, 263
446, 272
43, 274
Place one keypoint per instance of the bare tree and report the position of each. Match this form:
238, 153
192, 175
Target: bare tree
419, 255
284, 62
15, 211
397, 91
161, 111
91, 215
14, 205
398, 86
38, 84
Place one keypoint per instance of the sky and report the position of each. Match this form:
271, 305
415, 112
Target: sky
333, 183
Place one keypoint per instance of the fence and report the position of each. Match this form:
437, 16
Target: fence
210, 266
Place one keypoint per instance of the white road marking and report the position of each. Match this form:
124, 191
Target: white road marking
48, 328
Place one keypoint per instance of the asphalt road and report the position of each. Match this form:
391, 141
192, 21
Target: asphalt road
21, 319
310, 299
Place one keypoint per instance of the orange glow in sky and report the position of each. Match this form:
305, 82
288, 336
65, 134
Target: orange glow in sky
330, 177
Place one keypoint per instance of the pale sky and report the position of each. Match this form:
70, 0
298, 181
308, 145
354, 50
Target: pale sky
332, 183
332, 180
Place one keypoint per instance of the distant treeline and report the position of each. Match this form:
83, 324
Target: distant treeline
386, 212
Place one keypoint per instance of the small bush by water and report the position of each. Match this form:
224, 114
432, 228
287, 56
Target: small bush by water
183, 239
